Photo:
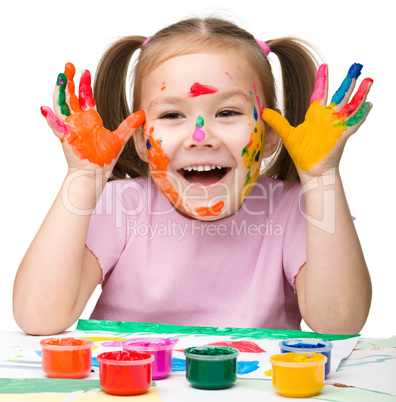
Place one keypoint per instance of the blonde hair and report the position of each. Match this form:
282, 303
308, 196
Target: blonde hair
192, 36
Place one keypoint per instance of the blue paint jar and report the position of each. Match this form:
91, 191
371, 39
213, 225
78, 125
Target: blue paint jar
304, 345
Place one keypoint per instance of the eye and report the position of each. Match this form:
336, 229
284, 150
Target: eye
172, 115
228, 113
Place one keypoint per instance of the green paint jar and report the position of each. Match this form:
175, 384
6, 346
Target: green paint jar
211, 367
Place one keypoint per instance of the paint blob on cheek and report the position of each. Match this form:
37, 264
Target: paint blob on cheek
199, 134
252, 152
158, 163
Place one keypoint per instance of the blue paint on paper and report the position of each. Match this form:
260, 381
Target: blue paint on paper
178, 364
246, 367
365, 360
353, 73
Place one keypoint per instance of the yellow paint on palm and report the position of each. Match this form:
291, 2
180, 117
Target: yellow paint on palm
313, 140
310, 142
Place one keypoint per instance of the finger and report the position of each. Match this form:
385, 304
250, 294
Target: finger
85, 91
59, 128
133, 121
320, 90
60, 95
74, 103
342, 94
358, 119
277, 122
358, 99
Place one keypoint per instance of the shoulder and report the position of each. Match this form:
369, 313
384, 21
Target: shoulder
128, 190
133, 196
275, 191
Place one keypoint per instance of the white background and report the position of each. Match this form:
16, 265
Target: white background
38, 37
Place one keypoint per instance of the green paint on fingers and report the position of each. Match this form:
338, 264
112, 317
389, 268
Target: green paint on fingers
360, 115
62, 82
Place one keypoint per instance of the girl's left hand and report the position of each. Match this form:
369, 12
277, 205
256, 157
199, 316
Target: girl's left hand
316, 145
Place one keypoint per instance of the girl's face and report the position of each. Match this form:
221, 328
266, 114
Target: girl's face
204, 136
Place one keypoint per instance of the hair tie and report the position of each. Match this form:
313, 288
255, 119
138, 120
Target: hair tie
146, 41
264, 47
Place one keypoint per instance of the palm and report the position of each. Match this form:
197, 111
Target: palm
78, 124
318, 142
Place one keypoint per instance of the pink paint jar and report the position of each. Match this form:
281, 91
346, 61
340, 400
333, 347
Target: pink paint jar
66, 357
160, 348
125, 372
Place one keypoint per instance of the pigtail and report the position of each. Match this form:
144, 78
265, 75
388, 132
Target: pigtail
299, 68
111, 100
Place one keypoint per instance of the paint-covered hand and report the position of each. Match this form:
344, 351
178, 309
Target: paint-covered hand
316, 145
78, 125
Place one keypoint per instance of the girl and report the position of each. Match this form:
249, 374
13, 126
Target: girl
187, 231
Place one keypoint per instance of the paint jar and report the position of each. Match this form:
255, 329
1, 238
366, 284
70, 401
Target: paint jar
160, 348
305, 345
211, 367
125, 372
298, 375
66, 357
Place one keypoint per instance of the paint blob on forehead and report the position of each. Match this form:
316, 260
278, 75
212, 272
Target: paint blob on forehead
198, 89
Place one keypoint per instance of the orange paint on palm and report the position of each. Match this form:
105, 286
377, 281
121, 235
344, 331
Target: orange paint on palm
89, 140
158, 162
87, 136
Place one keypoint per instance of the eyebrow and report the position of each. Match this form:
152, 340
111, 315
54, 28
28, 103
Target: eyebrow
176, 100
165, 100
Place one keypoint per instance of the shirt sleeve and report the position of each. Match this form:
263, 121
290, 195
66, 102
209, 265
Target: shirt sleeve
106, 234
295, 238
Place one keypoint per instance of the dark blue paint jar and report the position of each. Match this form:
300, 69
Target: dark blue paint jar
304, 345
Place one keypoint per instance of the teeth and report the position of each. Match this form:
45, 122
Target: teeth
202, 168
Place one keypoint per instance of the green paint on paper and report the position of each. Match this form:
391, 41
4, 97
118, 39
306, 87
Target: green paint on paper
387, 343
36, 385
234, 333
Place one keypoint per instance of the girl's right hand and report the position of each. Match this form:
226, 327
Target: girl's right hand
86, 143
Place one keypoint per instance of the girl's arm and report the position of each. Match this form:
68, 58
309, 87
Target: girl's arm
58, 273
334, 287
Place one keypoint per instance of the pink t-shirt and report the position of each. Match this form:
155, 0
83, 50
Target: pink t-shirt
161, 267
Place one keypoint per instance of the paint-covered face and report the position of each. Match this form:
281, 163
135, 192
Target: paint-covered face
203, 134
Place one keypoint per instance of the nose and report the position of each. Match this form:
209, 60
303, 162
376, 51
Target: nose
201, 137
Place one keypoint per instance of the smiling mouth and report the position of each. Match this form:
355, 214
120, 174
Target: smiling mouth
204, 174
